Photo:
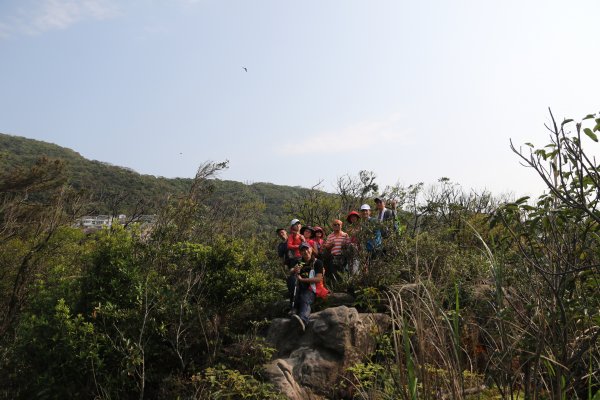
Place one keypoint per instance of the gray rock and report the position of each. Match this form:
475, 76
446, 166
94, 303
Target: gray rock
311, 363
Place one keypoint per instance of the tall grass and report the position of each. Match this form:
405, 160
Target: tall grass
428, 340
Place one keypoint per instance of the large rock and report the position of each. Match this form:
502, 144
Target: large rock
335, 299
310, 363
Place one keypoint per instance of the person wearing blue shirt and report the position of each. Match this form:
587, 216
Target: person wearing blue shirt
374, 236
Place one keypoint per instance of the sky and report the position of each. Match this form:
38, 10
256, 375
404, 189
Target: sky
298, 93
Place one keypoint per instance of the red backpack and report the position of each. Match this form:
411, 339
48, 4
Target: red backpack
319, 288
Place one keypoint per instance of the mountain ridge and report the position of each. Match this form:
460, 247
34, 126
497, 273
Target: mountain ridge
109, 181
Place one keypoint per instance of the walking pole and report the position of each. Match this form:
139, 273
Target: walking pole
293, 310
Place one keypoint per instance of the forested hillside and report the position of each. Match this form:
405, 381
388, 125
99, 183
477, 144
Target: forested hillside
111, 189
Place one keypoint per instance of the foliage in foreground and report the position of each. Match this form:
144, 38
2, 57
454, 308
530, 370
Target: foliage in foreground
487, 296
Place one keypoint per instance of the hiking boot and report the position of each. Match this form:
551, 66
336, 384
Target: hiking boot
297, 318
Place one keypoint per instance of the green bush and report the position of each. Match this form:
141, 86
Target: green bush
222, 383
53, 356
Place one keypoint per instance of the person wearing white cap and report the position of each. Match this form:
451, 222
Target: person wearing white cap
294, 241
365, 214
369, 224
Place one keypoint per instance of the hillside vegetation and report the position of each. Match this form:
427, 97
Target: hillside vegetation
489, 298
110, 189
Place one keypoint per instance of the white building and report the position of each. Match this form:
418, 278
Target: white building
100, 221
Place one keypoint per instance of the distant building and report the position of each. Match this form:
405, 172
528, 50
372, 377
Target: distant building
95, 221
92, 222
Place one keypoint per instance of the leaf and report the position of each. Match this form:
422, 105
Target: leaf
566, 121
521, 200
588, 180
528, 144
540, 153
590, 134
589, 116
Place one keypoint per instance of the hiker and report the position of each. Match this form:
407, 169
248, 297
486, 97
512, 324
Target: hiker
335, 243
371, 231
385, 214
319, 235
282, 246
294, 241
365, 213
353, 217
302, 284
308, 232
354, 228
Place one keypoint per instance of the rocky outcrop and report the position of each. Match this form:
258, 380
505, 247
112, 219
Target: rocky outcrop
281, 308
311, 363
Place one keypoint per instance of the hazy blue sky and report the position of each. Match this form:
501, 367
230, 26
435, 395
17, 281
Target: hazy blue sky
411, 90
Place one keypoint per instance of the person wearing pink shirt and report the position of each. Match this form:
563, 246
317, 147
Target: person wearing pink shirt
319, 240
335, 243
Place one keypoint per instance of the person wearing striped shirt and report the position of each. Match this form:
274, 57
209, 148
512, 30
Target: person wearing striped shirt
335, 243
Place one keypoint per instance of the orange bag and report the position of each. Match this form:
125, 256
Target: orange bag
319, 288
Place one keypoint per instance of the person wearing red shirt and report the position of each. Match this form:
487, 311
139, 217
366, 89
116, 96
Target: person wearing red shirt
294, 241
308, 232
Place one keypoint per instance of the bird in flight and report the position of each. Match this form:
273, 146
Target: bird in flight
245, 69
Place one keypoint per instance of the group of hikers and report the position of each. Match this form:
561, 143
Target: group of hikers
311, 257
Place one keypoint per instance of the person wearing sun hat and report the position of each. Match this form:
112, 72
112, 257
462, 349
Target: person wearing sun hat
319, 239
308, 232
352, 217
353, 227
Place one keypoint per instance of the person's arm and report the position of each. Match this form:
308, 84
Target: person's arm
315, 248
281, 249
295, 270
318, 267
291, 245
316, 279
328, 243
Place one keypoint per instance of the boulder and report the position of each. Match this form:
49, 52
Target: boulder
309, 364
281, 307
